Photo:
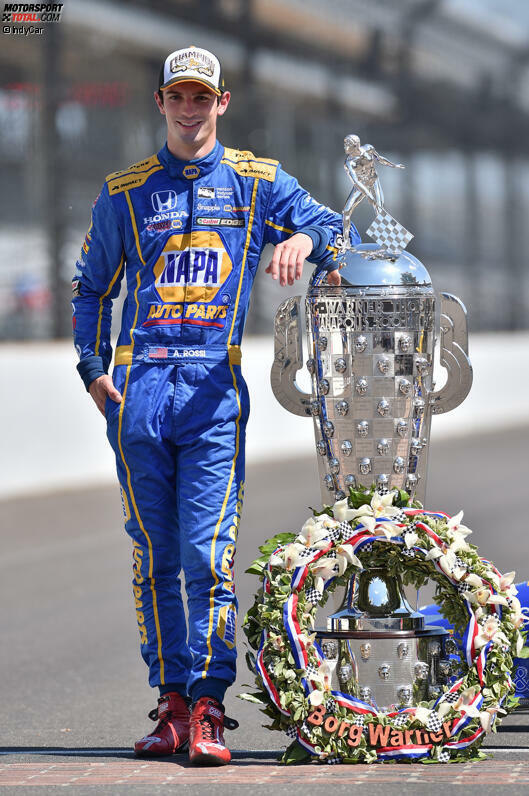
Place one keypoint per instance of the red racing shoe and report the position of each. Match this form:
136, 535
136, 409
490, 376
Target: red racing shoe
206, 738
172, 731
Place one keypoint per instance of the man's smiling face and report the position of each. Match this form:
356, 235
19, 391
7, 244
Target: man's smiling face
191, 112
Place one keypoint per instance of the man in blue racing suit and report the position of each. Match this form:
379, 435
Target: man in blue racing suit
186, 227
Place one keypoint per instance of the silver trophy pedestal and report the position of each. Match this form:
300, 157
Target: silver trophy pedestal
379, 648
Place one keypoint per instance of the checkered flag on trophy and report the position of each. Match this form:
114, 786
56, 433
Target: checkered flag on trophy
388, 233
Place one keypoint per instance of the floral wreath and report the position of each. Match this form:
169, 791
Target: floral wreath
373, 529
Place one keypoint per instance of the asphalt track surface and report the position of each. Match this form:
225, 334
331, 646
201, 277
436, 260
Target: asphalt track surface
74, 694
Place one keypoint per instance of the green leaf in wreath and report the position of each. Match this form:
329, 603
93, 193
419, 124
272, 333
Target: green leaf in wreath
295, 754
250, 698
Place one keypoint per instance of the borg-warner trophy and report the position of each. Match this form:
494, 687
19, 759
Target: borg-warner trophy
371, 354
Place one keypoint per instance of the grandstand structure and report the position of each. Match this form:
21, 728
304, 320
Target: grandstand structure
439, 85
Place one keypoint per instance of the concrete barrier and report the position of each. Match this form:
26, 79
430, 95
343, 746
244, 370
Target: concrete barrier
53, 437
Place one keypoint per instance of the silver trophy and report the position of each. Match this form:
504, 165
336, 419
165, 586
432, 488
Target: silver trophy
371, 348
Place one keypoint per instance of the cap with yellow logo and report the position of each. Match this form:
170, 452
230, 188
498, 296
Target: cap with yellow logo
192, 64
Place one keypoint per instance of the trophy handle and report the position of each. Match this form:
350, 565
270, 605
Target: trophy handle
288, 358
454, 356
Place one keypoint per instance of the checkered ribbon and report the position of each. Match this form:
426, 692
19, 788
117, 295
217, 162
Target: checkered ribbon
311, 669
388, 233
400, 517
434, 723
332, 761
335, 534
444, 756
307, 552
291, 732
400, 720
330, 706
313, 596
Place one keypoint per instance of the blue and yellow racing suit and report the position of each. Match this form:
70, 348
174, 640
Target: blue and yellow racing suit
188, 235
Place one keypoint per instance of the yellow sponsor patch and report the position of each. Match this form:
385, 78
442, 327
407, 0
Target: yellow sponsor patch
191, 172
137, 556
245, 164
192, 268
124, 504
130, 180
211, 314
142, 165
226, 625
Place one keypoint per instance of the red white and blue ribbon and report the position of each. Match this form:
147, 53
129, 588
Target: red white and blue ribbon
481, 662
406, 751
265, 677
305, 744
353, 704
463, 742
465, 719
469, 636
299, 577
290, 621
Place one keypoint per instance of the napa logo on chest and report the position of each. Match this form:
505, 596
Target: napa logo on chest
192, 267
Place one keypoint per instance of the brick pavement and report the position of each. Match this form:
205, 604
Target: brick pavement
155, 772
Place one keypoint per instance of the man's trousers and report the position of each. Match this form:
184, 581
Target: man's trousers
178, 436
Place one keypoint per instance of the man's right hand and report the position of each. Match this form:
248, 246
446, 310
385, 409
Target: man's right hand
100, 388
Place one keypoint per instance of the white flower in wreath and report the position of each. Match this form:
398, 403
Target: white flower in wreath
411, 538
277, 559
490, 631
422, 715
315, 532
455, 530
504, 583
380, 506
447, 561
323, 676
463, 703
322, 571
345, 556
316, 698
292, 557
484, 596
487, 716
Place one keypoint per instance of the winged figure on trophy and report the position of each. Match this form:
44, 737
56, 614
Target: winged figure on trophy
360, 165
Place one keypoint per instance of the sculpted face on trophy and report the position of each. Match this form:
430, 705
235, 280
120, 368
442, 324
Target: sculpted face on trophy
371, 351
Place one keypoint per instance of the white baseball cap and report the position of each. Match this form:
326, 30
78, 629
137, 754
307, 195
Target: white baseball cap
192, 64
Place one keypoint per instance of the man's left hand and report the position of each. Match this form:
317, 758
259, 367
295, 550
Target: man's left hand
289, 257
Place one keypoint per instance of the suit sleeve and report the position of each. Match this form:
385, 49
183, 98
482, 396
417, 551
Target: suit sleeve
292, 209
96, 283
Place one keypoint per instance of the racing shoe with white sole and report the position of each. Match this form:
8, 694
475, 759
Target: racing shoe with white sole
206, 735
171, 734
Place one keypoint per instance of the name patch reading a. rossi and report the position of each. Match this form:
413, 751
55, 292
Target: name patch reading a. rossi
192, 267
379, 737
166, 352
